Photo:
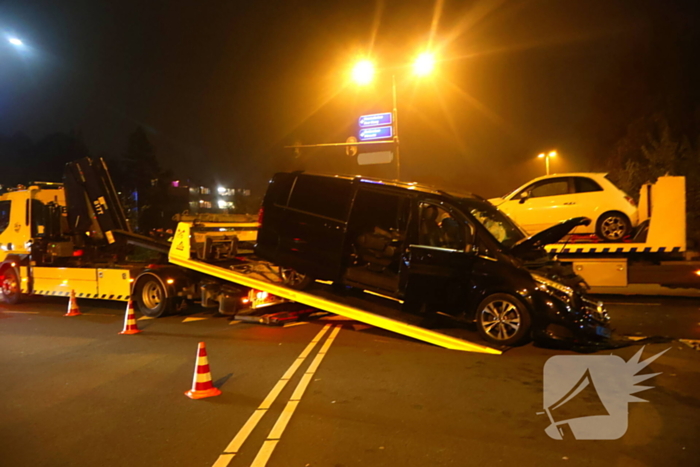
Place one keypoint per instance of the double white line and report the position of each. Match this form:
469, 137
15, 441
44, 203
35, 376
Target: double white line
276, 433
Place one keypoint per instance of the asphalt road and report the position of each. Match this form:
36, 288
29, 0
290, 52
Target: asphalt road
75, 393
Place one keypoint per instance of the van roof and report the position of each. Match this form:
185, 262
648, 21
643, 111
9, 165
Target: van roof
413, 186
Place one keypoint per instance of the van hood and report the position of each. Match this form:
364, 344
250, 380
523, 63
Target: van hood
547, 236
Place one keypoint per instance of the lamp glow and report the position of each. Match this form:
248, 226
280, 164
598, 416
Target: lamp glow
15, 41
363, 72
424, 64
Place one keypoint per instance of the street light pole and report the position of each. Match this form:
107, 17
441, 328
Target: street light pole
546, 159
395, 119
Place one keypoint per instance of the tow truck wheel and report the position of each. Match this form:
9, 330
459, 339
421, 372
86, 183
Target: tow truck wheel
294, 279
151, 297
613, 226
502, 319
10, 287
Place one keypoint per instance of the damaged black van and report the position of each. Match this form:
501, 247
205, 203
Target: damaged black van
435, 251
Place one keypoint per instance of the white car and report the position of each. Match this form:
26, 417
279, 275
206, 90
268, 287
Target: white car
548, 200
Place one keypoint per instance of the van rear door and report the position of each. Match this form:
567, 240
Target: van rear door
315, 223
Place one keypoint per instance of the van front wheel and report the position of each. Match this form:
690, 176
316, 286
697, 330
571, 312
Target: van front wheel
294, 279
502, 319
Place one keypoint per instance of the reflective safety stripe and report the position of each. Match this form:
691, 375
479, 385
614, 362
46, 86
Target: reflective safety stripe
203, 377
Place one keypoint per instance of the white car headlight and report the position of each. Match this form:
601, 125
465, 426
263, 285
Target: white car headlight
548, 283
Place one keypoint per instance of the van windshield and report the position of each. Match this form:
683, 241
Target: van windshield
500, 225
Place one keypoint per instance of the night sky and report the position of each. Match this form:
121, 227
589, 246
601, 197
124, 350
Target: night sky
222, 86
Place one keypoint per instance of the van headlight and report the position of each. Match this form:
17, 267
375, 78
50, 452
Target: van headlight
548, 285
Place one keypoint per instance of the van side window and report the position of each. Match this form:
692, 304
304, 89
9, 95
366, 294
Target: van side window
384, 211
323, 196
440, 228
280, 187
4, 215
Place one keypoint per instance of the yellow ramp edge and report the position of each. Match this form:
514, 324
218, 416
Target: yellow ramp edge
389, 324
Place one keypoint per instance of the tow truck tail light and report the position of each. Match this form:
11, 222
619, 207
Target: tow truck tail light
77, 253
631, 201
261, 214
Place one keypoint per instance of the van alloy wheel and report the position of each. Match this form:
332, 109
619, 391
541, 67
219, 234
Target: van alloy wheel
502, 319
294, 279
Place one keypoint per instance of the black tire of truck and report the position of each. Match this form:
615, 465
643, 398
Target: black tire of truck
151, 297
11, 292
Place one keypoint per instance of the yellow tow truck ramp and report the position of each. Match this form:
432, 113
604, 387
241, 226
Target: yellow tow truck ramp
180, 255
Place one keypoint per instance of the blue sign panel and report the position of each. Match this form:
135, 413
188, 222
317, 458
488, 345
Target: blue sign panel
375, 120
380, 132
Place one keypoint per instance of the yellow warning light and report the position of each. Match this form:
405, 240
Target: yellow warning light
245, 300
697, 272
13, 264
170, 281
131, 280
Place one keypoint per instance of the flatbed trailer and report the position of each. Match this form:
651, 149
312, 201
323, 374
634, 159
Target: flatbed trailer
653, 261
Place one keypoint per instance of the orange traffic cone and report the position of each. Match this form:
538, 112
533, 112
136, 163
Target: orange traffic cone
201, 384
73, 309
130, 326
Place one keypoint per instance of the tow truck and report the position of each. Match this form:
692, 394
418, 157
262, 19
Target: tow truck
58, 238
653, 260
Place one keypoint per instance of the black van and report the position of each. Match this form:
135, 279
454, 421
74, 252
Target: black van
435, 251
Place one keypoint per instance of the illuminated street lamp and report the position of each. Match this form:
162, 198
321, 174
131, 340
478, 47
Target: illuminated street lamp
546, 158
363, 73
424, 64
15, 41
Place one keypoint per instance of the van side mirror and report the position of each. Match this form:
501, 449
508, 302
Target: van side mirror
524, 196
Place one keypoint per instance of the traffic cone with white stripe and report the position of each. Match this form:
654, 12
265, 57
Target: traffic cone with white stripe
201, 384
73, 309
130, 326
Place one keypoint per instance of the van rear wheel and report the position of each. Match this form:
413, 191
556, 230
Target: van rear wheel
294, 279
502, 319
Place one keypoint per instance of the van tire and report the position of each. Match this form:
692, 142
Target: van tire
294, 279
613, 226
498, 314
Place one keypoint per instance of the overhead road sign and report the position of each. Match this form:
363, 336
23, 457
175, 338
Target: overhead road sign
370, 158
375, 120
380, 132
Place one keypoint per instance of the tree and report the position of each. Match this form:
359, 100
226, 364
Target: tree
139, 177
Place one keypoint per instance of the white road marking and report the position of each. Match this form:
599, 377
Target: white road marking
235, 445
275, 435
194, 318
289, 325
